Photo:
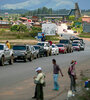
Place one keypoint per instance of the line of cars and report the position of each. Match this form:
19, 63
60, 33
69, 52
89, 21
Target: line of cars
30, 52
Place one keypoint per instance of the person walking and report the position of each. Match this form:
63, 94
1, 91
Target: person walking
39, 80
72, 75
8, 44
56, 70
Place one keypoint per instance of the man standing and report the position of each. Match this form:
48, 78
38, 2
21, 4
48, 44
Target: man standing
39, 80
56, 70
8, 44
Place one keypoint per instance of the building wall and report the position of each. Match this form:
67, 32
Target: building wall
86, 27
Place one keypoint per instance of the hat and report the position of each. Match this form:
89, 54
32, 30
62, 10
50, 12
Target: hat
38, 69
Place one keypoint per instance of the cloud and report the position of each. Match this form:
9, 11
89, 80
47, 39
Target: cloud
22, 4
33, 4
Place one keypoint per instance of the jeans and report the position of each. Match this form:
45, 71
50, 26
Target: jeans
55, 78
73, 83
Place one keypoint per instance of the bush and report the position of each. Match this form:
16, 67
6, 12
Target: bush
20, 28
33, 33
14, 28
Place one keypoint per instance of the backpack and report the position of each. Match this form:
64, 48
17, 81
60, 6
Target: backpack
69, 72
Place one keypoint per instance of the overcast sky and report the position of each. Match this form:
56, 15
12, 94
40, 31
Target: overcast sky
33, 4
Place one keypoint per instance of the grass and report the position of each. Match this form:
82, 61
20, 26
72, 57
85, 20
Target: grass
85, 35
79, 30
53, 38
7, 34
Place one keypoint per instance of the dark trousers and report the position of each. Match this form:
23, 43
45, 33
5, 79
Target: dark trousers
73, 83
39, 92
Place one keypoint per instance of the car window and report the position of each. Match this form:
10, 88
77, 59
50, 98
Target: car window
60, 45
19, 47
27, 48
1, 47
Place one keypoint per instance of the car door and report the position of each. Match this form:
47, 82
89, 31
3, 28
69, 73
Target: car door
6, 52
28, 51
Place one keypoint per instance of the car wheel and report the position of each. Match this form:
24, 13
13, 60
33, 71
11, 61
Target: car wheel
25, 59
30, 59
11, 60
2, 61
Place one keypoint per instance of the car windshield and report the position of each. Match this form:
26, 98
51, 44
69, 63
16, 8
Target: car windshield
74, 44
19, 47
36, 47
41, 44
60, 45
64, 41
1, 47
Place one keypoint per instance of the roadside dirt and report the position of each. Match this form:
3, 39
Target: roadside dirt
25, 89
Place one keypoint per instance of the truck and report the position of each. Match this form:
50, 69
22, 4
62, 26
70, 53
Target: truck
47, 47
6, 54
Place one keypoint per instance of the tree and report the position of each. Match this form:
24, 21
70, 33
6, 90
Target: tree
19, 28
1, 18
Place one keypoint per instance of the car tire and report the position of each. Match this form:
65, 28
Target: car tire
11, 60
25, 59
30, 59
2, 61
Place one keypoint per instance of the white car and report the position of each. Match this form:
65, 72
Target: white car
55, 49
47, 47
6, 54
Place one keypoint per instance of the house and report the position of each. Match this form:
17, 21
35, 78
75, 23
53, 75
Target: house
86, 18
86, 23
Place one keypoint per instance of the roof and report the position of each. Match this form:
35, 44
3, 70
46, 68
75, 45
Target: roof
86, 16
23, 18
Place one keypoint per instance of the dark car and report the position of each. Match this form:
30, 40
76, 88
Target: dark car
22, 52
68, 44
40, 50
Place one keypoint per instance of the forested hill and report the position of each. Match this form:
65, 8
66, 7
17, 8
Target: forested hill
43, 10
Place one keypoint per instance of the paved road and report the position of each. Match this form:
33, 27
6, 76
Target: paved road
11, 76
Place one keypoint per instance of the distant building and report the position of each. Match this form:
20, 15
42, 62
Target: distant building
86, 23
23, 19
5, 24
34, 18
49, 28
86, 18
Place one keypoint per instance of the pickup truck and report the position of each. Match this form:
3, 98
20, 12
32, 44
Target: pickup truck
6, 54
47, 47
22, 52
68, 44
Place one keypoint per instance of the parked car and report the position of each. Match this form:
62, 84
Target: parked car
82, 45
40, 50
22, 52
47, 47
76, 47
68, 44
62, 48
55, 49
33, 52
6, 54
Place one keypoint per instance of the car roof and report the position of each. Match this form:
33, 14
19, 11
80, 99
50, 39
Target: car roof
2, 44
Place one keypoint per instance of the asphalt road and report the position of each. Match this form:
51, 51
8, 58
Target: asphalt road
12, 75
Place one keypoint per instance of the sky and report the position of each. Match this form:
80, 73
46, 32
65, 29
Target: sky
34, 4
